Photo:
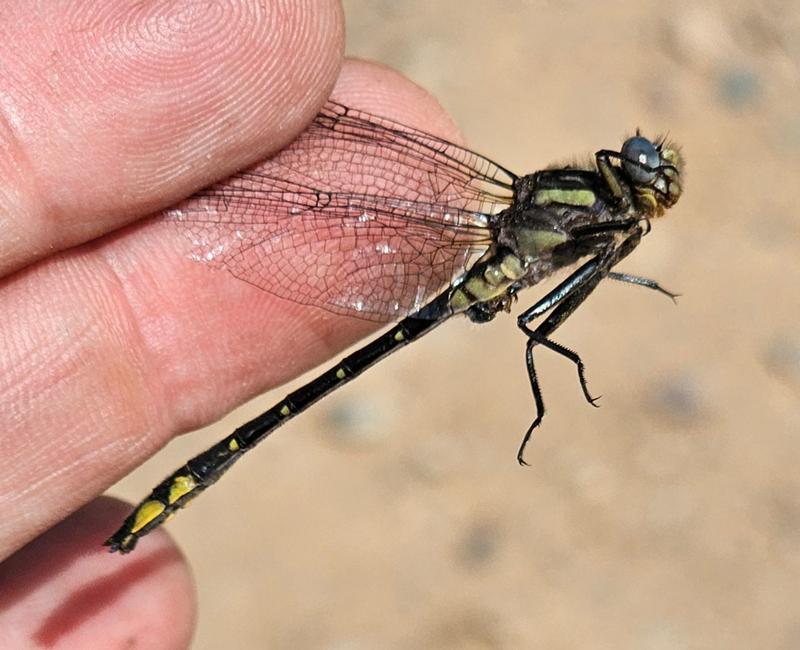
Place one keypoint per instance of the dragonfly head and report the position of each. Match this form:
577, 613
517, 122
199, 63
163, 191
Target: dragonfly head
653, 170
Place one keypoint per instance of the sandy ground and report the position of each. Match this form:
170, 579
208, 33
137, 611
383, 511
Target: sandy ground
393, 515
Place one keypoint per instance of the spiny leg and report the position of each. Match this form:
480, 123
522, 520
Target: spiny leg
643, 282
599, 264
537, 398
579, 285
534, 340
539, 337
564, 299
560, 293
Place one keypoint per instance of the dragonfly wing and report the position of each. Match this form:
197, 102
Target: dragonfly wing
360, 216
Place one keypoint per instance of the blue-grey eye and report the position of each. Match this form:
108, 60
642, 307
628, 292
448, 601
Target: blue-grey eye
640, 158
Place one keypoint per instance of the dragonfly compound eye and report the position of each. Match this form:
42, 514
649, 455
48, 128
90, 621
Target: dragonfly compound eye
640, 159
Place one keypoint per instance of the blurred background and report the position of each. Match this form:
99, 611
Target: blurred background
394, 515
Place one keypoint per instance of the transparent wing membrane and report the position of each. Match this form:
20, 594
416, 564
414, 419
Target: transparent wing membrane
359, 215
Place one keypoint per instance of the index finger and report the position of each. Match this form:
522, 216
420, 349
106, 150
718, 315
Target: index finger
110, 111
112, 349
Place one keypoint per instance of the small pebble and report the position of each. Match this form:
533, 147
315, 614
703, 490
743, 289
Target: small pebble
738, 88
479, 545
356, 422
781, 358
677, 399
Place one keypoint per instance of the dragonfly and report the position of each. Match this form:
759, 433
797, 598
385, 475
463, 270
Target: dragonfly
369, 218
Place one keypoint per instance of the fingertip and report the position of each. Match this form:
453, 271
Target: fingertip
64, 587
144, 103
383, 91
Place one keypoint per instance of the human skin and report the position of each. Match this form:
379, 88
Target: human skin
113, 340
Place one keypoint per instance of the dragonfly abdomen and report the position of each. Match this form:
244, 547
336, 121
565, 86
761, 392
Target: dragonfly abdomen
487, 280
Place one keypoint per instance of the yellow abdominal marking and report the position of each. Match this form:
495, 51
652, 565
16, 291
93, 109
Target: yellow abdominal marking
340, 374
146, 513
285, 410
494, 275
481, 289
181, 485
233, 445
460, 301
512, 268
492, 282
399, 336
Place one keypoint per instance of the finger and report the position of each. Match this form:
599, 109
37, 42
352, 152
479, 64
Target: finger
63, 590
113, 348
110, 111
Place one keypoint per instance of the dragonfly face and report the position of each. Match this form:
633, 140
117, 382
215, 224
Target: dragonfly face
654, 173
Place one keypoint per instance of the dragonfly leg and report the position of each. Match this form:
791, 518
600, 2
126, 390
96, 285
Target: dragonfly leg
537, 398
643, 282
535, 339
564, 300
540, 339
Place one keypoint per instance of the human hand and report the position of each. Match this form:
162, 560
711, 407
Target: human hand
113, 341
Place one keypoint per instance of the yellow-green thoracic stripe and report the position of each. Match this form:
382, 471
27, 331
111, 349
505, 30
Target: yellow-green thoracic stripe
583, 197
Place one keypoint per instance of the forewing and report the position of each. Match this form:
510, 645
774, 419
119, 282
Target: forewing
360, 216
358, 152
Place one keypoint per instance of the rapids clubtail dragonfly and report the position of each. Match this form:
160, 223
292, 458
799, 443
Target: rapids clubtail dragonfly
366, 217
